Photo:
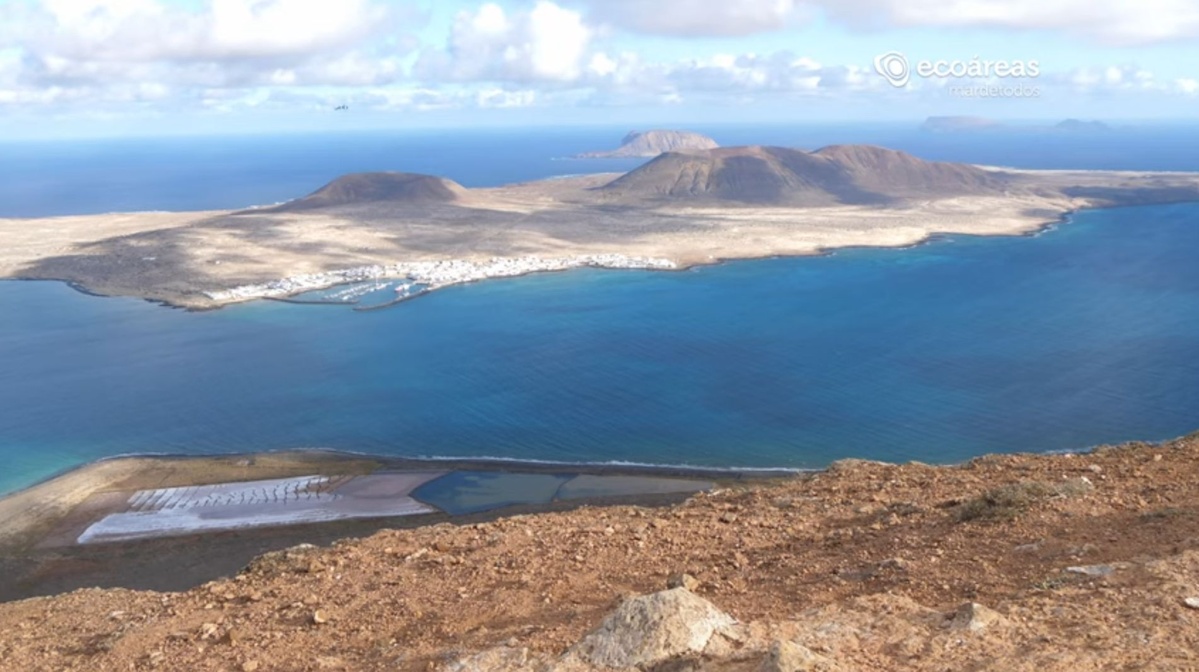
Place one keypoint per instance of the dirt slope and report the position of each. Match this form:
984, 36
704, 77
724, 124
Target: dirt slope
865, 564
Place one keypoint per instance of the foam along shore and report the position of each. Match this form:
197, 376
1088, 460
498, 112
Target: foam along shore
438, 274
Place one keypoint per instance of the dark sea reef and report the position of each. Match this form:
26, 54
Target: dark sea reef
654, 143
779, 176
378, 188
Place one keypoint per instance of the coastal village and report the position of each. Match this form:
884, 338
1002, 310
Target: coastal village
438, 274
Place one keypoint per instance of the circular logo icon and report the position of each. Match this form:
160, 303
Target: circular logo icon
894, 67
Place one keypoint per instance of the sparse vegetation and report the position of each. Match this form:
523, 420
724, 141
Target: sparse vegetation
1162, 514
1008, 501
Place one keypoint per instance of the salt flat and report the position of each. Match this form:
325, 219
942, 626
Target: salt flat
285, 501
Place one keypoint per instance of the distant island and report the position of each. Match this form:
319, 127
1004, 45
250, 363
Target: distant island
967, 124
680, 209
654, 143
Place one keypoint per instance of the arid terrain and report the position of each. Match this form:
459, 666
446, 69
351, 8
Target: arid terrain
1055, 562
681, 209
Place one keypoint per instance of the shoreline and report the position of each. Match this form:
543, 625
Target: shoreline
75, 498
666, 265
29, 512
1029, 231
446, 462
218, 299
247, 503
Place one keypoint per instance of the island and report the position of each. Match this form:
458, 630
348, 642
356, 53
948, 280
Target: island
648, 144
679, 210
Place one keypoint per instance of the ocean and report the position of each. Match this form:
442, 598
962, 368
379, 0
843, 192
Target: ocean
1084, 334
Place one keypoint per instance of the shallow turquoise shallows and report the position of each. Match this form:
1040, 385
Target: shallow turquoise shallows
1085, 334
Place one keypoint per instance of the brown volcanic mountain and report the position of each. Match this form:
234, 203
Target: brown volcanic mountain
839, 174
379, 188
754, 175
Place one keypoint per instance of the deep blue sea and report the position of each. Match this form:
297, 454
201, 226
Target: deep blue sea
1087, 333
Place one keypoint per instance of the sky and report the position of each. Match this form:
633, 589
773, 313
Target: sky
113, 67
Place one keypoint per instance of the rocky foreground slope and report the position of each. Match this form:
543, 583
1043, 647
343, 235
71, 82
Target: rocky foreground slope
1006, 563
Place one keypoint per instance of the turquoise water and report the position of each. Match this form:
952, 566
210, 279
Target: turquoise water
1086, 334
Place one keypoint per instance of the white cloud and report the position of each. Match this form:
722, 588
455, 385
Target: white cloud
602, 65
1110, 78
777, 73
151, 30
547, 43
236, 54
391, 99
499, 98
1119, 22
120, 50
696, 17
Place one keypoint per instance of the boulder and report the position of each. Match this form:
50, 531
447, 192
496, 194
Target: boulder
974, 617
651, 629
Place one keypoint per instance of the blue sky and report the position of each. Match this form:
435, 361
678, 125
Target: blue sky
103, 67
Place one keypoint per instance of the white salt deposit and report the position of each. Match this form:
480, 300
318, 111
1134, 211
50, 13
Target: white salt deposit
287, 501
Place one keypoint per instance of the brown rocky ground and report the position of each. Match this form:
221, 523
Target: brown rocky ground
862, 567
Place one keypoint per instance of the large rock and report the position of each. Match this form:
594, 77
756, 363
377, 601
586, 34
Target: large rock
651, 629
974, 617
